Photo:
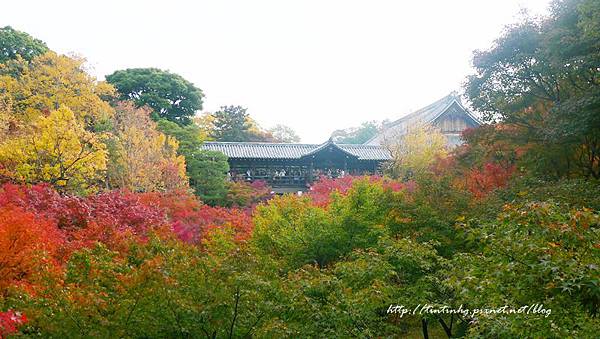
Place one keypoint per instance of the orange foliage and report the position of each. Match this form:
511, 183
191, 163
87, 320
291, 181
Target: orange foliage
480, 182
26, 242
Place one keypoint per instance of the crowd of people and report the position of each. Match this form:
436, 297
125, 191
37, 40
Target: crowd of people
290, 174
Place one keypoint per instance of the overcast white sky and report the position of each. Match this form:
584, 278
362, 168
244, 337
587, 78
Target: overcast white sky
314, 65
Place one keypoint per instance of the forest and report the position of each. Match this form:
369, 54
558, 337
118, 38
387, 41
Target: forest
115, 223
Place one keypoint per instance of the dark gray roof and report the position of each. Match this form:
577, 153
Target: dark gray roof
427, 114
267, 150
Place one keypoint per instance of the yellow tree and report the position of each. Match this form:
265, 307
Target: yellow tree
55, 149
5, 119
415, 150
141, 158
50, 81
49, 110
205, 125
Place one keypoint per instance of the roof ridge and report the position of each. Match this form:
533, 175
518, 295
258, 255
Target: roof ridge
258, 143
422, 109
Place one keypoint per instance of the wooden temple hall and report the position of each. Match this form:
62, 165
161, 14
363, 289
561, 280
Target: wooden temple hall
293, 167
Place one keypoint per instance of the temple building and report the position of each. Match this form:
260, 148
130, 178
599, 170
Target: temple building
447, 114
290, 167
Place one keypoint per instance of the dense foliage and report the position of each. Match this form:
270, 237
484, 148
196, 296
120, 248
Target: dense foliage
358, 135
169, 95
14, 44
541, 81
102, 236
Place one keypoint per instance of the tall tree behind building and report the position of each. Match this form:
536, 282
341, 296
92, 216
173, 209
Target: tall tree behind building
541, 81
169, 95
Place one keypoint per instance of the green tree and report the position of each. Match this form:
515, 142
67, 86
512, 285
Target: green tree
297, 231
231, 123
282, 133
532, 253
541, 80
169, 95
206, 170
13, 43
357, 135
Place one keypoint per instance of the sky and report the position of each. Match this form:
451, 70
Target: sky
313, 65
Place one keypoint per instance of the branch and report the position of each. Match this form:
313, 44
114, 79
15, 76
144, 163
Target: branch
235, 312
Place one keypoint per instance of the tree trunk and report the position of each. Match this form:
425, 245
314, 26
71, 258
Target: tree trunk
424, 324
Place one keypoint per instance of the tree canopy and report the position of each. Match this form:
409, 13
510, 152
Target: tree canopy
541, 80
15, 43
207, 171
101, 236
230, 123
169, 95
282, 133
357, 135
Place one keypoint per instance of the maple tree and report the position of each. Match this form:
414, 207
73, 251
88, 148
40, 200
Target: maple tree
10, 321
415, 150
243, 194
321, 191
29, 87
55, 149
492, 176
26, 243
141, 158
541, 78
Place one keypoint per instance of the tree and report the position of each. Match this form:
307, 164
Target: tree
141, 158
532, 253
207, 171
299, 232
169, 95
15, 43
415, 151
541, 78
30, 89
210, 176
282, 133
357, 135
231, 123
24, 241
56, 149
204, 122
257, 134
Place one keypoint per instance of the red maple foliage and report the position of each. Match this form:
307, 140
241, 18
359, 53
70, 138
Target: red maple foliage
491, 176
107, 217
10, 321
116, 216
191, 220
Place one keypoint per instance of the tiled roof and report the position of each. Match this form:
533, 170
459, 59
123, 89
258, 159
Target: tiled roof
367, 152
427, 114
266, 150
